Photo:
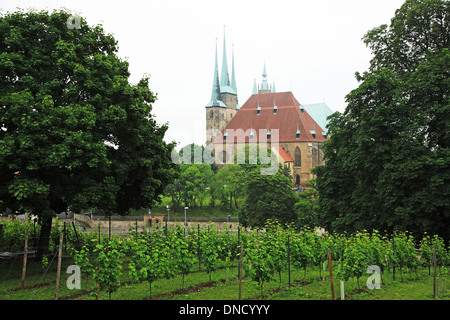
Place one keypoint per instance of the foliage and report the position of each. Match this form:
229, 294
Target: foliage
427, 251
228, 184
150, 258
258, 263
190, 188
209, 248
103, 263
267, 197
164, 253
307, 206
78, 135
361, 251
387, 161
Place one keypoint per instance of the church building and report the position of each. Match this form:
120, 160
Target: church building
300, 137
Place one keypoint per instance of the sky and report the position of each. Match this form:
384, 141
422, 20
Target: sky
312, 48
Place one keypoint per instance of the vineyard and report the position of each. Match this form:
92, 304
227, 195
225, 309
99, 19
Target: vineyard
174, 263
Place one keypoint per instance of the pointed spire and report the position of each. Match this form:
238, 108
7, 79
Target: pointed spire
225, 78
273, 88
255, 89
264, 85
233, 80
233, 77
215, 94
216, 90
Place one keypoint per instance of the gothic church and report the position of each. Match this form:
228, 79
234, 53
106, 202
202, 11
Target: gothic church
300, 137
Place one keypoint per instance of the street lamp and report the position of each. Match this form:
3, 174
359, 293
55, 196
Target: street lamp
168, 210
185, 224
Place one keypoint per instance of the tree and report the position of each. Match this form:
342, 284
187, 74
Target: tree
74, 133
229, 183
307, 206
388, 159
196, 154
267, 197
191, 185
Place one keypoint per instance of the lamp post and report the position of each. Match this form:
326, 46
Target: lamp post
168, 210
185, 223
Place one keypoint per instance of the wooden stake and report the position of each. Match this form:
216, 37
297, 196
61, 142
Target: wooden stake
393, 263
76, 234
25, 258
331, 274
240, 269
434, 272
58, 270
289, 261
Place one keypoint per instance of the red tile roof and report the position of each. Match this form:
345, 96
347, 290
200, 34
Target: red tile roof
283, 154
288, 118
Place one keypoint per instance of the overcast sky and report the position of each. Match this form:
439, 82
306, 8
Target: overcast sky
312, 48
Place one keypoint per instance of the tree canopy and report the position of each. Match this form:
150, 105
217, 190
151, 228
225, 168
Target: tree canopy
267, 197
388, 159
74, 133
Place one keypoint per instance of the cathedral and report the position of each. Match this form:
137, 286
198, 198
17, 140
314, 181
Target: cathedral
300, 137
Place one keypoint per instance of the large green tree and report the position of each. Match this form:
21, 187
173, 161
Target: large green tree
388, 159
267, 197
74, 133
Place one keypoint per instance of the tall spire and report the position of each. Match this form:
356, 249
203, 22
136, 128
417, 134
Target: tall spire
215, 94
255, 88
225, 78
233, 78
264, 85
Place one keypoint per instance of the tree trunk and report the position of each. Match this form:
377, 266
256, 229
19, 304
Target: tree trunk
44, 237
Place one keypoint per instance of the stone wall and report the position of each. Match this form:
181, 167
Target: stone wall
157, 221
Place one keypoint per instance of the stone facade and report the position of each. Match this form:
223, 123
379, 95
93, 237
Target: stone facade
218, 117
300, 136
311, 155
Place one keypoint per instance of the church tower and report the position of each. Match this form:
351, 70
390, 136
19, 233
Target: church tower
264, 87
224, 102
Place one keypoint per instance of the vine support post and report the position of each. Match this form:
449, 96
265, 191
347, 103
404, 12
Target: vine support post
58, 270
434, 272
199, 253
240, 269
393, 261
289, 260
76, 234
25, 257
331, 274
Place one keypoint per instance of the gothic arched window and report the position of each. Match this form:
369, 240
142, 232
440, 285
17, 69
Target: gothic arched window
298, 157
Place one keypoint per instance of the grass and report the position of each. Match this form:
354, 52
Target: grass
206, 210
40, 285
